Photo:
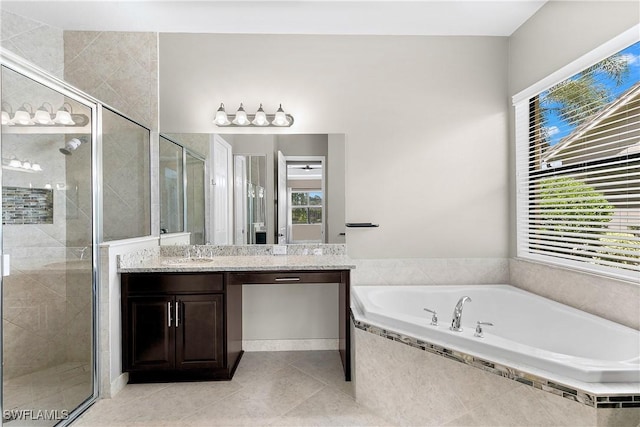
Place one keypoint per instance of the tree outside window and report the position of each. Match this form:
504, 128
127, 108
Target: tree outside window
306, 207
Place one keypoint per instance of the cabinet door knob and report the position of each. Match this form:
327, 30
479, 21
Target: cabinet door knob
169, 314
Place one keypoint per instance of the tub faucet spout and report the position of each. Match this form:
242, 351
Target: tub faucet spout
457, 314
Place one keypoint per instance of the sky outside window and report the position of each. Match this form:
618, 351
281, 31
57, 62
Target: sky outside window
556, 127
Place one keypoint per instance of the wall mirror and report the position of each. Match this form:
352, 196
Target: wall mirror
267, 189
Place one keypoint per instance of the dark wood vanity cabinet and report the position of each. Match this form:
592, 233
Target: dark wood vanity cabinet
173, 327
179, 326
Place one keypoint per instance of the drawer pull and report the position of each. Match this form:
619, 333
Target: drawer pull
287, 279
169, 314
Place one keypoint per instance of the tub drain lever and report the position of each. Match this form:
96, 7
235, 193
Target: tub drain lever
434, 317
479, 325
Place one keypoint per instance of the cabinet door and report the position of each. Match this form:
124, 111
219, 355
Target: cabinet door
200, 332
151, 333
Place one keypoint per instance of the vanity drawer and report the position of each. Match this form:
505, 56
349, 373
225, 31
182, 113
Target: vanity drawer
175, 283
329, 276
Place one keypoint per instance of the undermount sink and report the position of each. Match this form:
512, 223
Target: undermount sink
187, 261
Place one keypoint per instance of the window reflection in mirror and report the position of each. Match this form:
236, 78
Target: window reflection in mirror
305, 187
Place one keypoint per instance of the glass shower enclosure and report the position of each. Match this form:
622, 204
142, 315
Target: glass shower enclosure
49, 240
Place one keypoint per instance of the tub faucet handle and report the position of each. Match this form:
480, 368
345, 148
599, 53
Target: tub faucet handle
434, 317
479, 326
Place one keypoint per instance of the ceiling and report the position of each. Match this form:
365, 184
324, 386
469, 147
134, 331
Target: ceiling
417, 17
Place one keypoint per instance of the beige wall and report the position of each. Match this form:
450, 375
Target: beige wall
561, 32
399, 100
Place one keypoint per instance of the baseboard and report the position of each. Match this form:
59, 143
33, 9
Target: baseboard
290, 345
118, 384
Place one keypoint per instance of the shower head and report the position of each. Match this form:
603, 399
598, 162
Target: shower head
72, 145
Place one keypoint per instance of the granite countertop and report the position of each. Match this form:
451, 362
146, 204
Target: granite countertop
240, 263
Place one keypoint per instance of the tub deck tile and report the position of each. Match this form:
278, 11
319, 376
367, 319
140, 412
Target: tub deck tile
580, 396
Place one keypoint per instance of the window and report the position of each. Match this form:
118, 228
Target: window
578, 169
306, 207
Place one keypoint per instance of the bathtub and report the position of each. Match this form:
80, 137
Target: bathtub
529, 330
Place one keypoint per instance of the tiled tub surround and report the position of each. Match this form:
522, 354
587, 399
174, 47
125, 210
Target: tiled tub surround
527, 332
430, 271
416, 382
609, 298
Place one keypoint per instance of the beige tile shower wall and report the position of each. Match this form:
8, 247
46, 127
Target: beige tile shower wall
34, 41
34, 295
118, 68
126, 186
611, 299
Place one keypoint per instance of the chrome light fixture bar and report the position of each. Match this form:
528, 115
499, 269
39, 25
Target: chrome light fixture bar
16, 164
259, 119
43, 116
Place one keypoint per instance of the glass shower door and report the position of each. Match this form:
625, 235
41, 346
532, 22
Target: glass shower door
48, 297
195, 205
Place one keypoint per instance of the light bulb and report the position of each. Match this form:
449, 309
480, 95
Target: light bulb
221, 117
261, 118
63, 116
22, 117
241, 117
6, 120
43, 117
280, 118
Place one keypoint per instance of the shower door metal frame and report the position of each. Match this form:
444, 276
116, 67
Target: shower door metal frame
200, 157
30, 71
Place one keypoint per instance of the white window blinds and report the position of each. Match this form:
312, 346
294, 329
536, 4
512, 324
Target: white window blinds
578, 169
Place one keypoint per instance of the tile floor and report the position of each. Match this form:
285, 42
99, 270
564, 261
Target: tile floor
61, 387
298, 388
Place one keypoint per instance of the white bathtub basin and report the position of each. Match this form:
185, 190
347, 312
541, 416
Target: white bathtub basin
528, 330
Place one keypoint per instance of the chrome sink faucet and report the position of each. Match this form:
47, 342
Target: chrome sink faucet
457, 314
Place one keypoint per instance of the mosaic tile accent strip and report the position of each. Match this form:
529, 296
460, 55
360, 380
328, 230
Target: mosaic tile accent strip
540, 383
27, 205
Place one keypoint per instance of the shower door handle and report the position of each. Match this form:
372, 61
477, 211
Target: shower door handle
169, 314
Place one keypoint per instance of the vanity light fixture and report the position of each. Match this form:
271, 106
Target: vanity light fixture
63, 115
259, 119
221, 117
6, 114
22, 116
241, 117
43, 115
22, 166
